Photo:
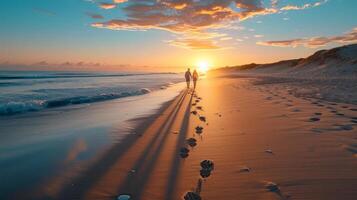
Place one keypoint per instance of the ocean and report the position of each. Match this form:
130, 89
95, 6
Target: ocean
22, 92
54, 125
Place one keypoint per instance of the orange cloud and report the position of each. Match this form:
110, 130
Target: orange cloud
185, 17
305, 6
107, 5
314, 41
120, 1
195, 43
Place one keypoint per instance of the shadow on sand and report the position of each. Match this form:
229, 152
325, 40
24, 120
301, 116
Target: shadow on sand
144, 164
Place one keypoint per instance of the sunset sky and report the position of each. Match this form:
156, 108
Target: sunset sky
168, 34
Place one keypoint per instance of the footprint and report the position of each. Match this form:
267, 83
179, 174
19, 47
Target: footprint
346, 127
194, 112
296, 110
199, 129
314, 119
192, 142
269, 151
319, 114
271, 186
244, 169
192, 196
184, 152
207, 167
351, 148
203, 118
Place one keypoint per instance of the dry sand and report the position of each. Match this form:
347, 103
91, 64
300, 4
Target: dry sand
265, 144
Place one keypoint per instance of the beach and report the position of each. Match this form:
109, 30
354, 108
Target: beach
178, 100
265, 143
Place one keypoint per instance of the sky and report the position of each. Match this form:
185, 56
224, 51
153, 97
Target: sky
168, 35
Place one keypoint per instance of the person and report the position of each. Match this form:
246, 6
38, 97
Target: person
188, 77
194, 78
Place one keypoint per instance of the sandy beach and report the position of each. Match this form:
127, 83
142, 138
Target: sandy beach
265, 144
98, 100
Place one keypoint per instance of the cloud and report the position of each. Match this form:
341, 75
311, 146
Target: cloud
184, 17
274, 3
120, 1
314, 41
95, 16
305, 6
225, 38
258, 36
107, 6
195, 43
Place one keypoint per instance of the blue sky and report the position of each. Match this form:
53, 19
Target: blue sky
56, 32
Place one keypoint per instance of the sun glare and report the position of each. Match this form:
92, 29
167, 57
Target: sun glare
203, 66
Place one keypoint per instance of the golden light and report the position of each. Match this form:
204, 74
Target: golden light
203, 66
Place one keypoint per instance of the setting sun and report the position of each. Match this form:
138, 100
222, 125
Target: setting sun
203, 66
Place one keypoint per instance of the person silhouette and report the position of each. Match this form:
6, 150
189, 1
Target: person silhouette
188, 77
194, 78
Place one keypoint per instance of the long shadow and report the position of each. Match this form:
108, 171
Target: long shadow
144, 170
91, 176
176, 162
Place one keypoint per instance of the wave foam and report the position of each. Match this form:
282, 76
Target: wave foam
12, 108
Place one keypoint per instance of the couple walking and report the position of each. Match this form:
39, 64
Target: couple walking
188, 77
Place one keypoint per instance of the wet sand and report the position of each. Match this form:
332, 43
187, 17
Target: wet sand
265, 144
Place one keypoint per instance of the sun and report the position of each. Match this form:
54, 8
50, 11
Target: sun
203, 66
